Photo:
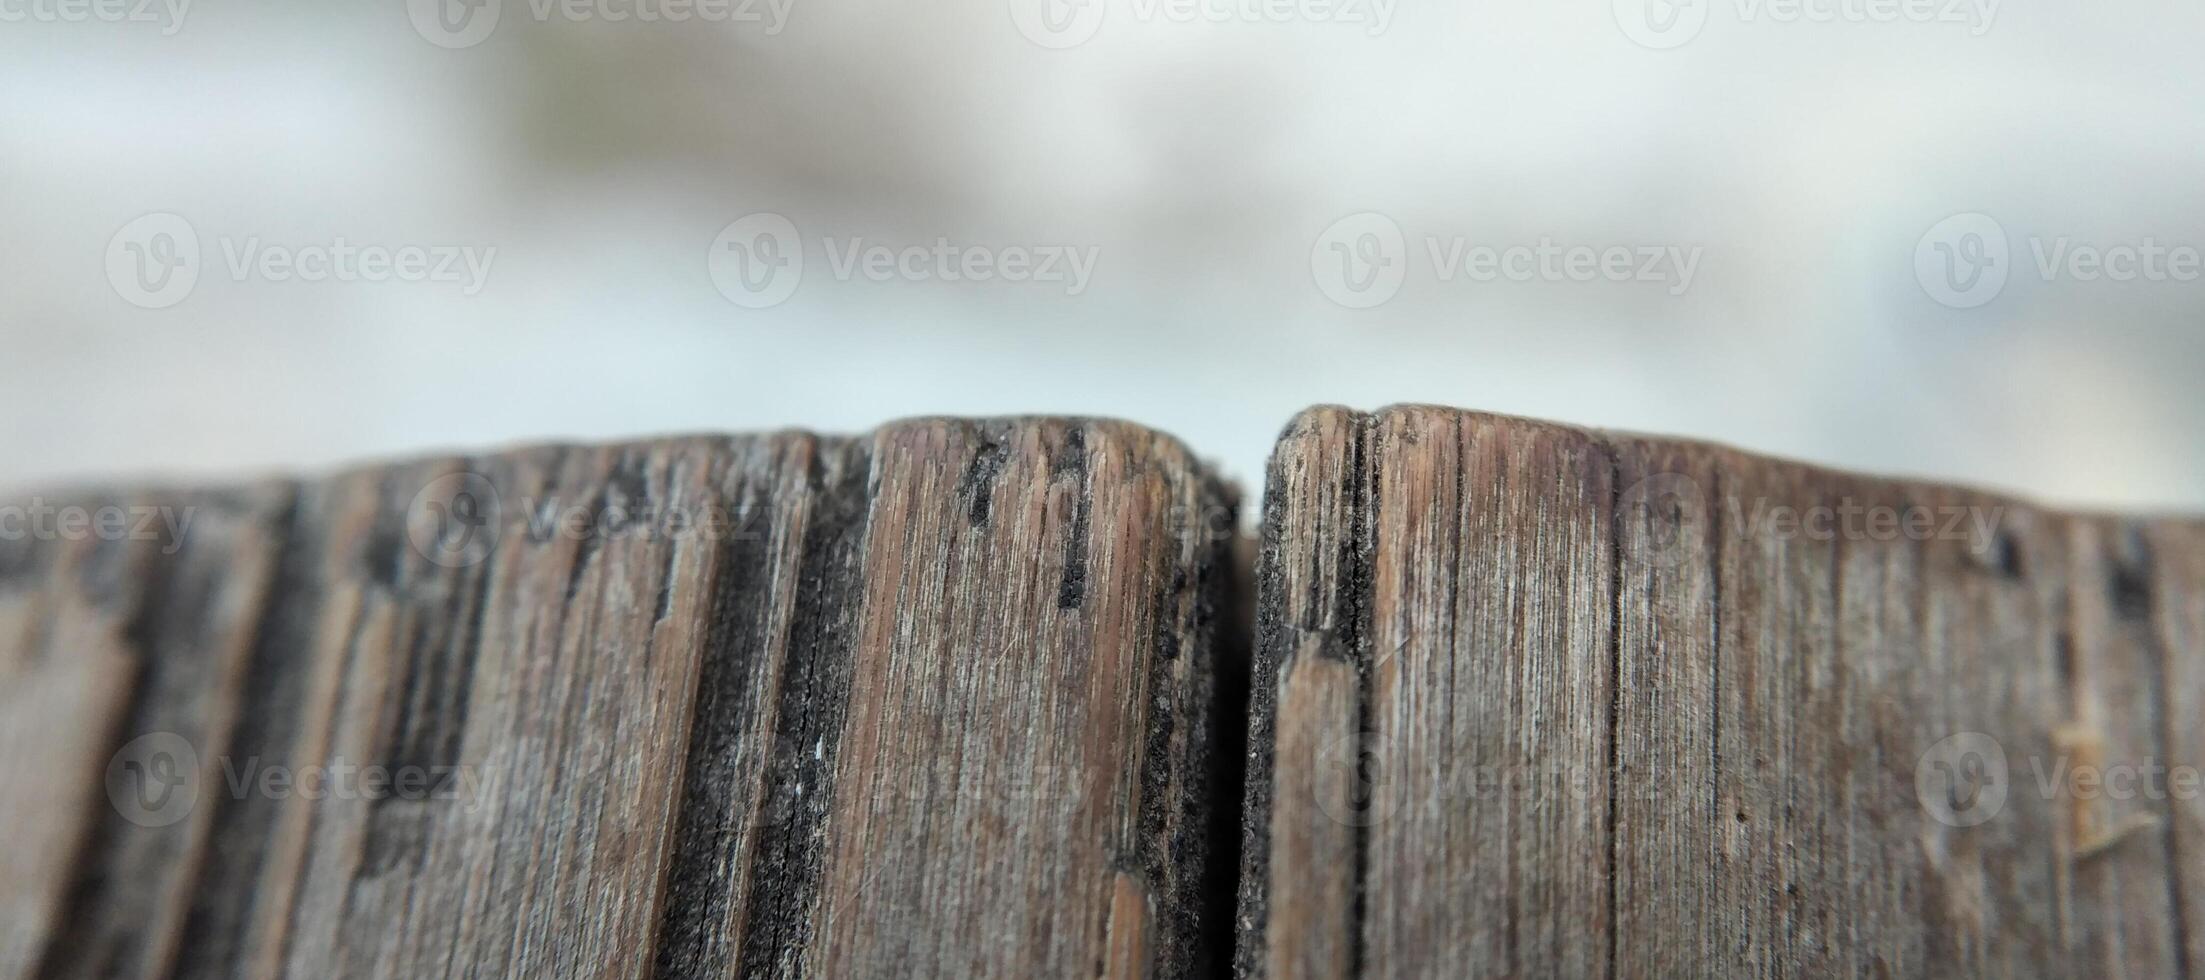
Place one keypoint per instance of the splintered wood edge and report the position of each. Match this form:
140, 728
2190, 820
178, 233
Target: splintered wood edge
1315, 577
319, 600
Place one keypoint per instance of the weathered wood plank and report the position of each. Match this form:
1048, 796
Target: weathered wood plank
1665, 733
960, 698
1490, 683
124, 652
2177, 580
539, 700
943, 700
1030, 690
775, 686
1663, 709
1307, 787
2122, 908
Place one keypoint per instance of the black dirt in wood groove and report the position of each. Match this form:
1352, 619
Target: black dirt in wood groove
213, 941
978, 482
814, 699
1072, 461
697, 890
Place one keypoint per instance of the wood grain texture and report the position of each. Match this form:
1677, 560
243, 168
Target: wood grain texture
942, 700
1600, 704
118, 651
966, 698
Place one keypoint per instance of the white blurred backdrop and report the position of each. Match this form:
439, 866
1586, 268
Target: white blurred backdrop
1718, 218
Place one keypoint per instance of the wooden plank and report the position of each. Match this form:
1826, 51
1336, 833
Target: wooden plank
2177, 589
1667, 911
941, 700
1657, 708
123, 653
539, 699
1988, 689
1489, 682
1020, 785
2122, 909
775, 683
962, 698
1308, 783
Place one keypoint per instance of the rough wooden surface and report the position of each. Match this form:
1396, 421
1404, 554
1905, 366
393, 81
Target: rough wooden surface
967, 699
101, 643
942, 701
1535, 701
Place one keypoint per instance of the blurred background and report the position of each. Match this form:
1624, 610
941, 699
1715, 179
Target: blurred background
1946, 238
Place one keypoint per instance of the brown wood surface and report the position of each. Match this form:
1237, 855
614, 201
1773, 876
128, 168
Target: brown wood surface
1536, 701
941, 701
968, 698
